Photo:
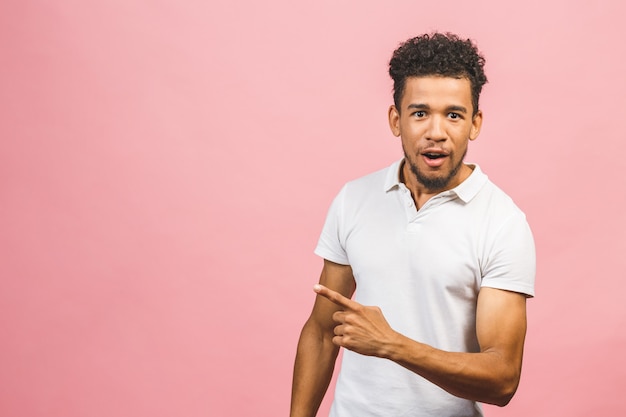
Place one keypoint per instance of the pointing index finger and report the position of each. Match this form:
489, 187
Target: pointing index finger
335, 297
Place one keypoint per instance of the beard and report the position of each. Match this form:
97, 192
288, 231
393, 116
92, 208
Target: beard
435, 183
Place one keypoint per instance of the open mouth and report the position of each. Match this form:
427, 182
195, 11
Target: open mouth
433, 155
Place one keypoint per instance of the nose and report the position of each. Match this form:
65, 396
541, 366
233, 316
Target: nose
436, 129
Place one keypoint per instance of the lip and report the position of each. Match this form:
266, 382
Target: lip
434, 163
435, 150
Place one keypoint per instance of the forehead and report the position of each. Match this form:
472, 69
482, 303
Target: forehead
437, 91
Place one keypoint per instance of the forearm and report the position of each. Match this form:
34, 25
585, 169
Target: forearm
313, 370
490, 376
485, 376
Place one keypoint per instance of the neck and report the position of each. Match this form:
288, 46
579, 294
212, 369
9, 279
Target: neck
420, 193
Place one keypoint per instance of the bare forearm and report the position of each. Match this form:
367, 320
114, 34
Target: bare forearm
485, 377
313, 370
490, 376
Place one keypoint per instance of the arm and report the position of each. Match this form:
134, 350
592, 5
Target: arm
316, 354
489, 376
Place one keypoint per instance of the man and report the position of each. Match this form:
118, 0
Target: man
440, 262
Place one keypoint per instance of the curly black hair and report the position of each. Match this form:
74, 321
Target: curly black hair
441, 54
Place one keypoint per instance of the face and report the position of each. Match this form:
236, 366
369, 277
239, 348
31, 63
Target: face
435, 124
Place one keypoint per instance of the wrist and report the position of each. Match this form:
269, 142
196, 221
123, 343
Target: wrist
393, 348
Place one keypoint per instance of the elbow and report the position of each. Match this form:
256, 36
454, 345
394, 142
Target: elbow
505, 391
503, 400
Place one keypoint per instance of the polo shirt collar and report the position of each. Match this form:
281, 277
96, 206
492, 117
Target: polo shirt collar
393, 176
465, 190
472, 185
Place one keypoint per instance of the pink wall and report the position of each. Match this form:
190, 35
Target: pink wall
165, 168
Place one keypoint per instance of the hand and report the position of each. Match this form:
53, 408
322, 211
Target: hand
360, 328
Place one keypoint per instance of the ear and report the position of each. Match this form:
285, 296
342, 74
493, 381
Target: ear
394, 120
477, 122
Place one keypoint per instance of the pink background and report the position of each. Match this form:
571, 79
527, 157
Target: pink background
165, 169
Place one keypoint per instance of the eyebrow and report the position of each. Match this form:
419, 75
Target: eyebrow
419, 106
459, 109
422, 106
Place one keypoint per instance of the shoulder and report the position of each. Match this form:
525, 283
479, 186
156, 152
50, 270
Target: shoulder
375, 183
494, 202
494, 211
507, 254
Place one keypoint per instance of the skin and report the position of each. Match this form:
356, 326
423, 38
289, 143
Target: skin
435, 117
316, 354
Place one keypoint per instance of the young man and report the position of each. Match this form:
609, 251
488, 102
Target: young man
440, 262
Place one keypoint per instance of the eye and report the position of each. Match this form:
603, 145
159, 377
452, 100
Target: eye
419, 114
454, 116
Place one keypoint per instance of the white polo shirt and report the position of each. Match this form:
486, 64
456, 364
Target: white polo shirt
424, 269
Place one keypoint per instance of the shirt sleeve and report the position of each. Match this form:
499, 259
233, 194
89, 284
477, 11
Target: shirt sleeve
331, 244
511, 261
